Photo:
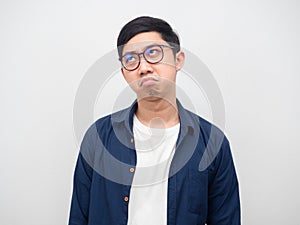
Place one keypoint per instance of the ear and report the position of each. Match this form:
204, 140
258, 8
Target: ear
122, 71
179, 60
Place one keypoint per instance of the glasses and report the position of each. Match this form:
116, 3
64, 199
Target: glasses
152, 54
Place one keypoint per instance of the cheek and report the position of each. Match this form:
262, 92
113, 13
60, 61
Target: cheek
168, 72
128, 76
131, 80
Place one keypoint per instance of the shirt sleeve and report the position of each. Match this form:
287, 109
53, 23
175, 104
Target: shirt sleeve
82, 180
81, 193
223, 199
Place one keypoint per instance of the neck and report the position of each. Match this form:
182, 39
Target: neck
158, 113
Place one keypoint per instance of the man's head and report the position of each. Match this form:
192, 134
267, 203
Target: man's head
149, 51
147, 24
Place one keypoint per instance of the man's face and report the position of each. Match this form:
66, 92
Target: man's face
150, 80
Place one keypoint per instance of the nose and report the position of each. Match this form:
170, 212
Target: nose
144, 67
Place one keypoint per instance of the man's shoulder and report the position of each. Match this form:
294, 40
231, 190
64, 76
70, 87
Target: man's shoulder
107, 121
204, 123
102, 127
207, 128
114, 116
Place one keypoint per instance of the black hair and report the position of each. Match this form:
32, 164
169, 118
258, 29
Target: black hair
147, 24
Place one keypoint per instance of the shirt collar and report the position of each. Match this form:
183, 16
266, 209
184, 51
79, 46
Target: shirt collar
188, 120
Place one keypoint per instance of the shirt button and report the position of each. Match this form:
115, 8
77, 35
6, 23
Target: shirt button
131, 169
126, 199
131, 140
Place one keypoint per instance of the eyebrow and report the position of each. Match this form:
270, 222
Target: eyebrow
145, 47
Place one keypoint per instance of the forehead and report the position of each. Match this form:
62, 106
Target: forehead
142, 40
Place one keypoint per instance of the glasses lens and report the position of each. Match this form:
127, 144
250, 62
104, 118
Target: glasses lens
153, 54
130, 61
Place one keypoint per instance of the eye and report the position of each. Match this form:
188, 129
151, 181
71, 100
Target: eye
129, 58
153, 51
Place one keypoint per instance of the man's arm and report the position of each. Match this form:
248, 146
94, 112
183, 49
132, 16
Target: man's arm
223, 199
79, 211
81, 193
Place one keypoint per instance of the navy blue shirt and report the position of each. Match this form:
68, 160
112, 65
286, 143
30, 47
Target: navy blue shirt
202, 183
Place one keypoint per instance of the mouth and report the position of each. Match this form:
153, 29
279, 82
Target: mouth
148, 81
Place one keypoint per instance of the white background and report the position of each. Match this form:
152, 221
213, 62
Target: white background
46, 47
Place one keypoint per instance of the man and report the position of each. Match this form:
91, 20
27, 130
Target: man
154, 162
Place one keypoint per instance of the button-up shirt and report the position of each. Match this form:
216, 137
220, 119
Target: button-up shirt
202, 184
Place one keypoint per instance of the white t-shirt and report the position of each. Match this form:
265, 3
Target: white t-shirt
148, 196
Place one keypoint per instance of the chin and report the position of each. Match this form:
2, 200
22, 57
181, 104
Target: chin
150, 95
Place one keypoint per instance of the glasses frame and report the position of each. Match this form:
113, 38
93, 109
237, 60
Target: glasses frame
143, 53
